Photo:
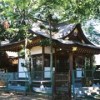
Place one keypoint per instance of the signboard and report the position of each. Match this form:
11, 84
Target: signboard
79, 73
47, 72
22, 71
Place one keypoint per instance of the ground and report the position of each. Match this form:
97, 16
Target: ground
22, 96
12, 96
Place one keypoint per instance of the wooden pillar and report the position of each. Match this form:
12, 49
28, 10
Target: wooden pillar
55, 56
91, 61
55, 60
43, 50
32, 68
91, 64
70, 72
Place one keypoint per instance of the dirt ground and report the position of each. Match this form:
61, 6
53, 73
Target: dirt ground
12, 96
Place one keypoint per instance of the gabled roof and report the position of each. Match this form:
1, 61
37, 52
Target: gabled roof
63, 31
77, 33
58, 31
65, 34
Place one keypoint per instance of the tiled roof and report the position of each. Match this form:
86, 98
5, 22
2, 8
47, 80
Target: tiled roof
63, 29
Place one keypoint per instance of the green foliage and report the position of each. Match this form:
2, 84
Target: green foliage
92, 34
70, 10
46, 42
20, 14
22, 53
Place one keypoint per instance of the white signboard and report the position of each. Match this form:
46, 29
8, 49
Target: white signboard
47, 72
79, 72
22, 71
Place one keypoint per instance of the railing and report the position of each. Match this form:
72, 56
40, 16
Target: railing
83, 84
61, 77
42, 75
21, 81
37, 75
82, 77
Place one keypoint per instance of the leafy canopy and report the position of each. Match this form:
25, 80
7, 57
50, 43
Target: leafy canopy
20, 14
